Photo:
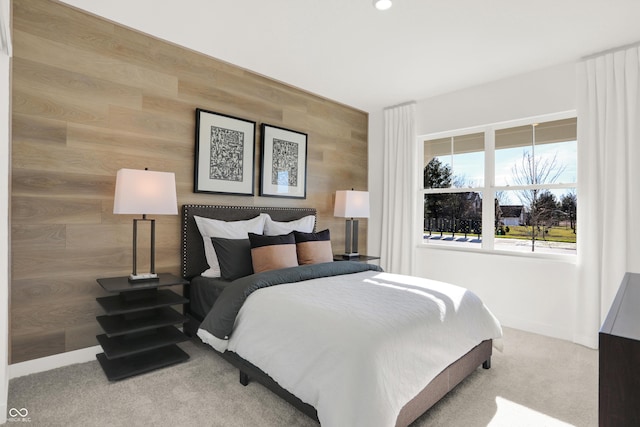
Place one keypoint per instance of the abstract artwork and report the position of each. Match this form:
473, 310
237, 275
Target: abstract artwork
284, 163
224, 154
227, 153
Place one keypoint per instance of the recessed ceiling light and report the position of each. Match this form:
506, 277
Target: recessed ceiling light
382, 4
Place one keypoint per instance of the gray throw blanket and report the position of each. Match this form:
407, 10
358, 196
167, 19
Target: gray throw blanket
220, 320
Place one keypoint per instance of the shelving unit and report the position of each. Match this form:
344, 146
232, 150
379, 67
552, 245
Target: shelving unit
359, 258
140, 326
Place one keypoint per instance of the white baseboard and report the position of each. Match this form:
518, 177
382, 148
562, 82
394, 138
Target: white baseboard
51, 362
551, 331
587, 341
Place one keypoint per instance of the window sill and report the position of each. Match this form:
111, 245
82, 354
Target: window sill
566, 258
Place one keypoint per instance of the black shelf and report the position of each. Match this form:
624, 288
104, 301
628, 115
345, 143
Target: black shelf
140, 326
117, 305
123, 345
358, 258
122, 284
150, 319
140, 363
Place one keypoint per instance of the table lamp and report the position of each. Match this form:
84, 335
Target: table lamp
351, 204
143, 192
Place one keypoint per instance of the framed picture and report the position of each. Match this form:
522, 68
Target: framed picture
283, 171
284, 163
225, 153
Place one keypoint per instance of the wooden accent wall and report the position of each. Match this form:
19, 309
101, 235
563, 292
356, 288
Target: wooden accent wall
91, 97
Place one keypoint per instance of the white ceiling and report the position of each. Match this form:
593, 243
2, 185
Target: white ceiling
348, 51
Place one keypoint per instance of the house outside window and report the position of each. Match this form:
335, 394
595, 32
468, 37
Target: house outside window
526, 169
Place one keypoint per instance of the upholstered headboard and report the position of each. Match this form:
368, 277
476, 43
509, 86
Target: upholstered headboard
193, 261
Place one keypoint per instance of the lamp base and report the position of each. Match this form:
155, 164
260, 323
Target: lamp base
145, 277
351, 238
351, 255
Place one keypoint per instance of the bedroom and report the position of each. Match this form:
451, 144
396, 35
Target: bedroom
536, 315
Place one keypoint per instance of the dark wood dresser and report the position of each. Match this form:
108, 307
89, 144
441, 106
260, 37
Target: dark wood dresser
619, 394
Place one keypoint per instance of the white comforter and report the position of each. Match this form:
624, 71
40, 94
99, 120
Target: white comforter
358, 347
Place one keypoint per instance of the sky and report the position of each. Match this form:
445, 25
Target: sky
471, 166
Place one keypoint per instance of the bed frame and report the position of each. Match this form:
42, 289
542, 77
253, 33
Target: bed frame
194, 262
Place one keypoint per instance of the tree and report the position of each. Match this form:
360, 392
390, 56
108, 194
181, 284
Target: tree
436, 175
546, 207
568, 205
533, 171
453, 211
497, 212
502, 198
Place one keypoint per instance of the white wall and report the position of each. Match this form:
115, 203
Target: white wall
545, 91
527, 293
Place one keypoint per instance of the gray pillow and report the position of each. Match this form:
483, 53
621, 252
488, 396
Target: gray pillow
234, 256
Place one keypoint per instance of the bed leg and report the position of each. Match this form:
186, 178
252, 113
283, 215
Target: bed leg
244, 378
487, 364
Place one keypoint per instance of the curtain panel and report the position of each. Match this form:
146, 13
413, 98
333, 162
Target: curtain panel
399, 189
609, 183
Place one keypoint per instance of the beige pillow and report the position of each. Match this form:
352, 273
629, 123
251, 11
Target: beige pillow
273, 252
313, 248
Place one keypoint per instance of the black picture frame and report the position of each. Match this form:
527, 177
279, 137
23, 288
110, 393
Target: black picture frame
283, 171
224, 154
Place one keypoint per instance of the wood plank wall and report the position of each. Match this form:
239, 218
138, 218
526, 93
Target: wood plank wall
91, 97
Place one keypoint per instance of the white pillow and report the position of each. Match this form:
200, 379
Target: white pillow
277, 228
228, 230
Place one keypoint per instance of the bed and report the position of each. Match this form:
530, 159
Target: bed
288, 328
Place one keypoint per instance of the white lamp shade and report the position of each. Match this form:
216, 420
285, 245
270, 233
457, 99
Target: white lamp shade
351, 204
145, 192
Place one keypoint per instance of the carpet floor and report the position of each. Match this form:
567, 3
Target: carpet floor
535, 381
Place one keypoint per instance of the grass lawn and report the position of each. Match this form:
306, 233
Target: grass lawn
553, 234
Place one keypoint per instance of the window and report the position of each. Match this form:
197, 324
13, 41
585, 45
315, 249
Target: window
528, 171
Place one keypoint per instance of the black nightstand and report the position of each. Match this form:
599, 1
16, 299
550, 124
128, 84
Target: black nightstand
140, 326
359, 258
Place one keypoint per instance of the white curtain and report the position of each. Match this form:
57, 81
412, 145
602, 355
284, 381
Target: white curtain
609, 183
5, 181
399, 189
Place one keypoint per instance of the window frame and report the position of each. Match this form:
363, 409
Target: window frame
488, 190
